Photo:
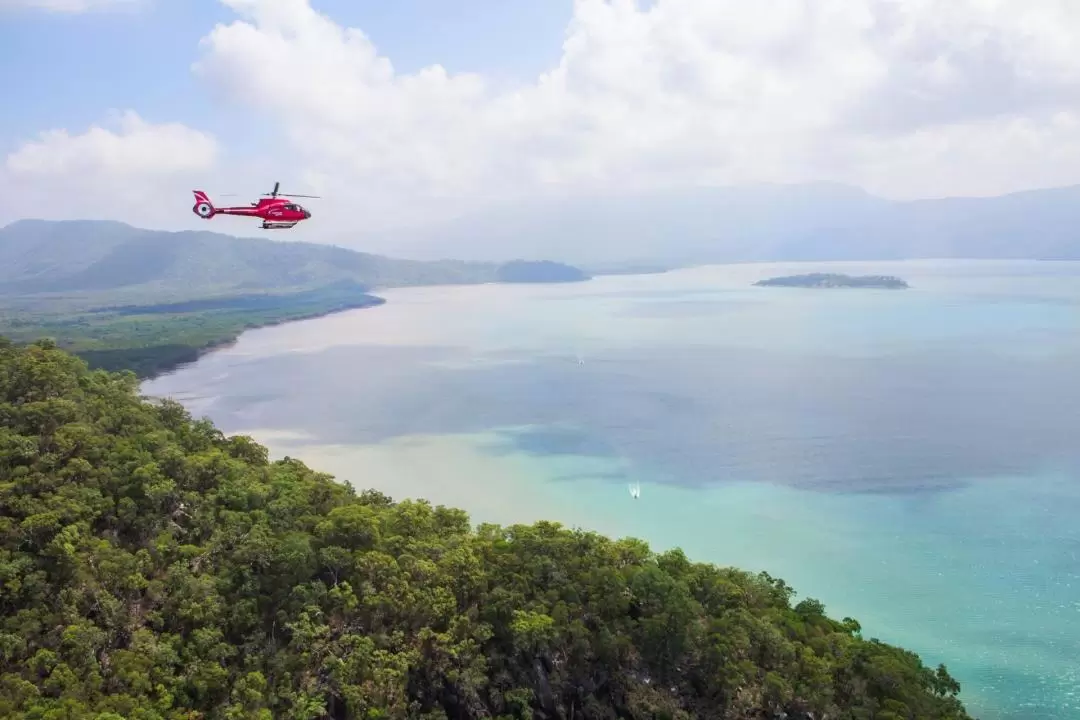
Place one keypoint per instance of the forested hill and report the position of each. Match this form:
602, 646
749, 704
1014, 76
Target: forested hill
111, 263
145, 300
152, 568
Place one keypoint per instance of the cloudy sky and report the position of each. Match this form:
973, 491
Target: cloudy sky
405, 112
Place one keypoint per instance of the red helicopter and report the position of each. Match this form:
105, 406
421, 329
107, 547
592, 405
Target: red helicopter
277, 213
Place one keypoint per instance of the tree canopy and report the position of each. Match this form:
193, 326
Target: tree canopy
152, 568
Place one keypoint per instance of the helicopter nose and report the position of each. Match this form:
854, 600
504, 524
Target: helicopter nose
307, 214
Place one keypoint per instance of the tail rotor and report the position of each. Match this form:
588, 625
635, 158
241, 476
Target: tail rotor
203, 207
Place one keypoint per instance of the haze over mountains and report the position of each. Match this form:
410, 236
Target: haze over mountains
754, 223
148, 300
104, 260
659, 228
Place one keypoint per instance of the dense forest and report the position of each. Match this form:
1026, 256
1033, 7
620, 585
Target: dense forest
153, 568
155, 338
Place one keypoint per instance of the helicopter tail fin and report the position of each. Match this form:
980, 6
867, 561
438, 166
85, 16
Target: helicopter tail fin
203, 207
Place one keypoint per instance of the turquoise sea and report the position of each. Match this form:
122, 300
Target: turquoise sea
911, 458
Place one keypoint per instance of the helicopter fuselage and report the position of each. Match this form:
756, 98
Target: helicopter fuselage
277, 213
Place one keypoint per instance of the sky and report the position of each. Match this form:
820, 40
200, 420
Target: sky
410, 112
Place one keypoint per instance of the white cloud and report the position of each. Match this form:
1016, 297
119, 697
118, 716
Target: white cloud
130, 172
905, 97
138, 149
69, 6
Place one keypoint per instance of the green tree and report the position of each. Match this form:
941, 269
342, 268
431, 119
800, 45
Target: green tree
152, 568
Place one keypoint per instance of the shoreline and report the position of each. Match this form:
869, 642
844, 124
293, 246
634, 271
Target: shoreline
374, 301
416, 466
224, 344
197, 352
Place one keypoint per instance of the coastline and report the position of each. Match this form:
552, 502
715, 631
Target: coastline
373, 465
368, 301
371, 301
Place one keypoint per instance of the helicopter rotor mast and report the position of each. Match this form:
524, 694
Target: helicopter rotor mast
274, 193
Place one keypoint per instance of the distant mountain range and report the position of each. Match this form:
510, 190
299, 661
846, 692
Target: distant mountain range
815, 222
116, 263
626, 233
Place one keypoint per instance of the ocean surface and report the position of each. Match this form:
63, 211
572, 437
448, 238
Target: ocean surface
911, 458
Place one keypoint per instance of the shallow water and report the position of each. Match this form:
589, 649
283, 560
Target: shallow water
908, 457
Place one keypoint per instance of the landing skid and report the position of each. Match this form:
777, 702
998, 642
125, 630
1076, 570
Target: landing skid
268, 225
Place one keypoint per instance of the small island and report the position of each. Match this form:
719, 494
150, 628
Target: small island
835, 280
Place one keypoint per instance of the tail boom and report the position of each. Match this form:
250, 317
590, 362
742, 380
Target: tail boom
205, 209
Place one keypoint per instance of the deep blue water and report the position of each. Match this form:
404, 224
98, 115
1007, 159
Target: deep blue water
909, 457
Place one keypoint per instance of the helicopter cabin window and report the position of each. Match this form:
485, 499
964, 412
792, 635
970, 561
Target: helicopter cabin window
290, 207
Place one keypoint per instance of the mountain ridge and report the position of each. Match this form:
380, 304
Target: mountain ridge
87, 258
90, 256
760, 223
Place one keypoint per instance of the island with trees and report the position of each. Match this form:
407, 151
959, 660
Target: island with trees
835, 280
153, 568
